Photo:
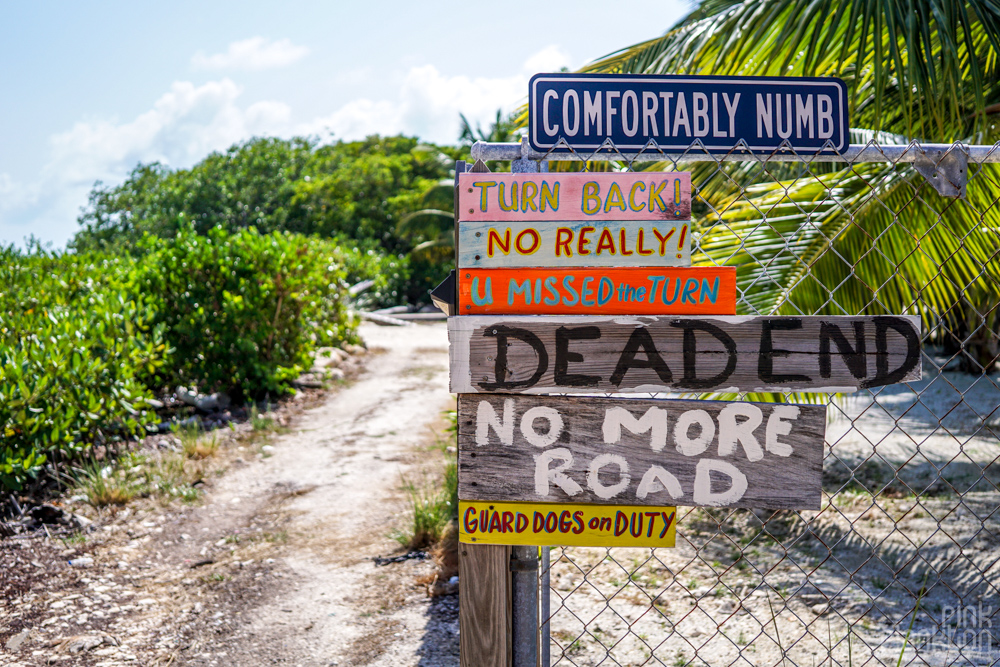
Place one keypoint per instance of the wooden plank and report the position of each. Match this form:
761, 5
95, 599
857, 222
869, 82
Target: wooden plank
548, 524
588, 354
484, 605
652, 452
575, 196
484, 244
598, 291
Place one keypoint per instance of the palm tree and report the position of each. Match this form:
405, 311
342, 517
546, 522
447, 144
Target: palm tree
433, 224
869, 237
503, 128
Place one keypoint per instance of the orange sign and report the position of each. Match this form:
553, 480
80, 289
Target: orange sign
598, 291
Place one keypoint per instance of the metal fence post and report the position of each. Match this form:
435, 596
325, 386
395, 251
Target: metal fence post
544, 611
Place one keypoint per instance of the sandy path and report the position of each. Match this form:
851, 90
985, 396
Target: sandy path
355, 449
274, 565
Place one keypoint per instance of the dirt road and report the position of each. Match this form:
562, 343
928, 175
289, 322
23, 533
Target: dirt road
274, 565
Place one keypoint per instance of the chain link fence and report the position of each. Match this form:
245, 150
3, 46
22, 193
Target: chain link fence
900, 566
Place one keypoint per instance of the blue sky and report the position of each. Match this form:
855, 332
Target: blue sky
91, 89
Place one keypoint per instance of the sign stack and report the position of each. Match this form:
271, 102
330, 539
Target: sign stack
581, 284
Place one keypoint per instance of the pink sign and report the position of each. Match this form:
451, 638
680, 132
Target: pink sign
575, 196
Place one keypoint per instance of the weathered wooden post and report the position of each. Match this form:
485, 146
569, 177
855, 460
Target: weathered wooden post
484, 595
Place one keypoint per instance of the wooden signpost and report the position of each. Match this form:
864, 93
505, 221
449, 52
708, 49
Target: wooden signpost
565, 524
569, 354
611, 451
598, 291
514, 243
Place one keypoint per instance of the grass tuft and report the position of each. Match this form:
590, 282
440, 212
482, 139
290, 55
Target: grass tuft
194, 443
260, 421
433, 509
106, 485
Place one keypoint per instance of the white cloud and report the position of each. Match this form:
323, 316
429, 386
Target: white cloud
428, 103
549, 59
252, 54
183, 126
189, 121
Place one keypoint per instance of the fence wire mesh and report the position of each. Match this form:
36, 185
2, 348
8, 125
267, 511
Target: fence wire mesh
899, 566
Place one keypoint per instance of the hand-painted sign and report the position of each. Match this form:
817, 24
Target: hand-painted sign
575, 196
585, 110
566, 525
491, 245
586, 354
645, 291
609, 451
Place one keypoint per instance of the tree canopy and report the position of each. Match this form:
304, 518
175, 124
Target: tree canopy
355, 190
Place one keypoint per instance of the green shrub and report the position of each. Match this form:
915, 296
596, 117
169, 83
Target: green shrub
244, 311
75, 349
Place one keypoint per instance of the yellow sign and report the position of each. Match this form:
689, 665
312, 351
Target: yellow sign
551, 524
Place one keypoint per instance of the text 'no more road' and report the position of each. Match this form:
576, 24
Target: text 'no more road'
575, 196
640, 451
586, 354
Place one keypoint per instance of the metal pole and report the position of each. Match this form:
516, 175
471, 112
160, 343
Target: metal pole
524, 606
544, 613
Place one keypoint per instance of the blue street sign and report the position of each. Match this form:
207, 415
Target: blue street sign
810, 114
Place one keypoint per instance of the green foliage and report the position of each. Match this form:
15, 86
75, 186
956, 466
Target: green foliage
355, 190
923, 68
869, 237
390, 273
75, 350
359, 190
244, 311
352, 191
503, 128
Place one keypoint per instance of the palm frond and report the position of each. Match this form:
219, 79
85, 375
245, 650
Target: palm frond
871, 238
924, 68
426, 222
